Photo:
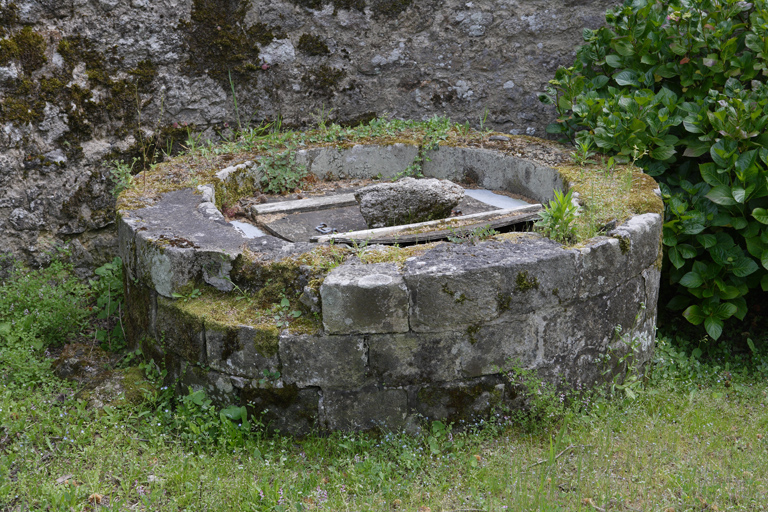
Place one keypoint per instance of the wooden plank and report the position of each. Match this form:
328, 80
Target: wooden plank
304, 205
398, 234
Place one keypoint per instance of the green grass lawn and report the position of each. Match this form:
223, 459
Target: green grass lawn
693, 437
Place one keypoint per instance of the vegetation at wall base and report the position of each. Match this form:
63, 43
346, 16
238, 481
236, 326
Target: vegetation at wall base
678, 87
692, 435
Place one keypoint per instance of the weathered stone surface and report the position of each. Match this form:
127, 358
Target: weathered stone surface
365, 409
410, 358
364, 299
411, 60
407, 201
287, 409
640, 237
359, 161
446, 293
179, 332
242, 350
325, 361
434, 335
495, 171
461, 401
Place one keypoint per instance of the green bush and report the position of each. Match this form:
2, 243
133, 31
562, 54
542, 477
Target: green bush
678, 88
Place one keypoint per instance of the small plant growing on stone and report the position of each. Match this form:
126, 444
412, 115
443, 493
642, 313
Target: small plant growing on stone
121, 175
283, 314
473, 236
583, 153
187, 296
280, 171
558, 217
269, 377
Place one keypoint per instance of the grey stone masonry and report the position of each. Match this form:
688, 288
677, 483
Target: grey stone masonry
436, 331
364, 299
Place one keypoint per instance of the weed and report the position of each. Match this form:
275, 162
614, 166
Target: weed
186, 297
558, 217
472, 236
282, 313
234, 100
108, 291
583, 153
280, 172
121, 175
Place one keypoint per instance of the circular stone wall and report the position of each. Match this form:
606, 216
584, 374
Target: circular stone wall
385, 336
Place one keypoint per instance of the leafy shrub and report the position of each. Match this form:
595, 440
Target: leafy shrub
677, 86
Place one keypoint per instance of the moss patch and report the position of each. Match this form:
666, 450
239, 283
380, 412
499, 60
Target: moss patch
390, 8
524, 282
9, 16
337, 4
610, 195
323, 80
625, 244
312, 45
31, 49
220, 45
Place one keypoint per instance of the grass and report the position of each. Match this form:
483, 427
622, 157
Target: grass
694, 437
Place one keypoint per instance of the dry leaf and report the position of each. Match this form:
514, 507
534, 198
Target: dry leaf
63, 479
478, 457
425, 509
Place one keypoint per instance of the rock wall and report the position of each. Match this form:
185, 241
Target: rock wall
86, 82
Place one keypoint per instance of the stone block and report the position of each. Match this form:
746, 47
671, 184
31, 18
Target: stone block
242, 350
446, 297
461, 401
284, 409
180, 332
365, 409
140, 310
495, 346
410, 358
325, 361
360, 161
640, 238
544, 275
364, 299
598, 263
407, 201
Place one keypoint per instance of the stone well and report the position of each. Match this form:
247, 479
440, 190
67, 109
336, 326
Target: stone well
394, 335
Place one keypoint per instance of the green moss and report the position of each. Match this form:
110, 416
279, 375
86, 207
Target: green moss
219, 45
144, 72
503, 301
21, 110
9, 51
625, 244
472, 331
337, 4
137, 387
9, 16
323, 80
524, 282
390, 8
312, 45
